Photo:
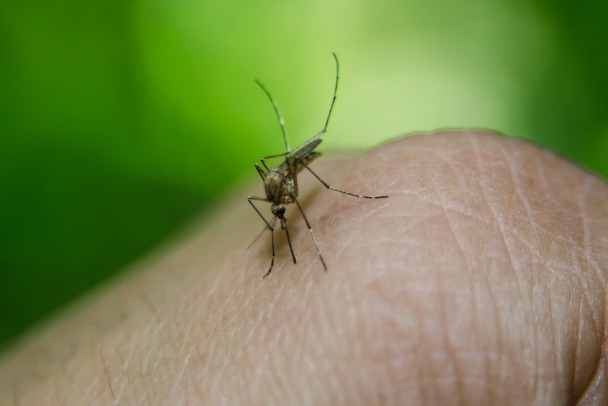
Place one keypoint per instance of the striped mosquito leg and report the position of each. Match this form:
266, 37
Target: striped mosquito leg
311, 234
342, 191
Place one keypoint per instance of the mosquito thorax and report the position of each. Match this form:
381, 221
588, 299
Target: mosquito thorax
280, 187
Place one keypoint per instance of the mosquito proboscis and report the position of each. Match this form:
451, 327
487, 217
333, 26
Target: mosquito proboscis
281, 182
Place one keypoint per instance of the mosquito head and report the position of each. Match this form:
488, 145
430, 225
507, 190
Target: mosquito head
278, 210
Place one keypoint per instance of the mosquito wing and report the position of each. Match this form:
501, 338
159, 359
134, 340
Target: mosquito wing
303, 154
305, 149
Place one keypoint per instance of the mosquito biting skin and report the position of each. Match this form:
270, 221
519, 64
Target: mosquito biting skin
281, 182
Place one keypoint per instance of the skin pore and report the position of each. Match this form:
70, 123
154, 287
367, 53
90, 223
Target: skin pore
481, 280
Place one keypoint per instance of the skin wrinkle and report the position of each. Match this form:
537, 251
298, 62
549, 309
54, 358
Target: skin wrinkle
506, 232
89, 390
120, 383
579, 341
420, 392
284, 336
334, 388
598, 383
122, 360
594, 390
514, 267
425, 366
535, 333
578, 344
533, 223
156, 364
255, 329
586, 293
595, 268
182, 354
359, 380
581, 279
508, 157
381, 392
124, 380
395, 329
282, 381
233, 317
271, 346
484, 276
330, 390
581, 205
331, 328
441, 288
496, 322
179, 377
534, 276
555, 358
453, 362
348, 238
186, 337
225, 345
543, 260
105, 368
294, 344
555, 354
148, 354
494, 299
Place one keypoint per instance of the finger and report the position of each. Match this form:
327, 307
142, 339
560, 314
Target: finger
480, 279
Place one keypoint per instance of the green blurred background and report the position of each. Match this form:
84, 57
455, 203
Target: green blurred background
122, 120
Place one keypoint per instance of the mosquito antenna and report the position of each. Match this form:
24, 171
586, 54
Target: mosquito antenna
333, 100
278, 112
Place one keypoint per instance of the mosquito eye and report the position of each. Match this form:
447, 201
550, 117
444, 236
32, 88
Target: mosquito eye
277, 210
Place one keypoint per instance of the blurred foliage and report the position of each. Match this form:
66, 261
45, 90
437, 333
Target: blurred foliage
121, 120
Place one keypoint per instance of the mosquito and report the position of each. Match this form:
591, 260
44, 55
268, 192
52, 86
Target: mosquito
281, 182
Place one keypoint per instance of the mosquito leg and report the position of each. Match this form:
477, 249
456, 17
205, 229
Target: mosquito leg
293, 256
268, 225
342, 191
271, 156
262, 232
271, 261
261, 171
275, 156
311, 234
249, 199
333, 100
278, 112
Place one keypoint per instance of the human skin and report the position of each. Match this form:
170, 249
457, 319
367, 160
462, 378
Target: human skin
481, 280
